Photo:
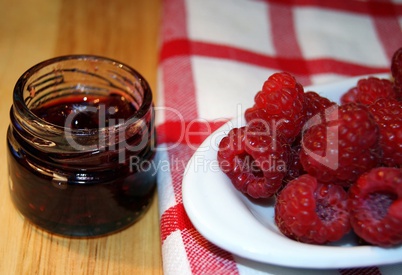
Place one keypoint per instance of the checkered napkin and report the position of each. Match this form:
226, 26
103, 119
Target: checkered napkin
215, 55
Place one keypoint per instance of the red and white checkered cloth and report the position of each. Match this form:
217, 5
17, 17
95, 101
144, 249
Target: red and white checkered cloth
215, 55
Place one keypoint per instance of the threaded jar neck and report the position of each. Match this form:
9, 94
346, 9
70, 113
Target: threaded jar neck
81, 103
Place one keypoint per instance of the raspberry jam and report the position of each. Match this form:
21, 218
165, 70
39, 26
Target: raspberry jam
81, 146
85, 111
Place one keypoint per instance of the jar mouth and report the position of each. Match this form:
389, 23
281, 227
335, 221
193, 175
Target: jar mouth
54, 77
81, 76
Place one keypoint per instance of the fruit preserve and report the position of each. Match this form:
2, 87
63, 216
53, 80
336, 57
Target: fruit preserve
81, 146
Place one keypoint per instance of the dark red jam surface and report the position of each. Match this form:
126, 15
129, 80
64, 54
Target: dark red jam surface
86, 111
70, 198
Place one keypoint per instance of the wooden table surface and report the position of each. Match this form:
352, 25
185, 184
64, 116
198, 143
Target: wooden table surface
32, 31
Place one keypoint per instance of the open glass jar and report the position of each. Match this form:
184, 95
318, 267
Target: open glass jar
81, 145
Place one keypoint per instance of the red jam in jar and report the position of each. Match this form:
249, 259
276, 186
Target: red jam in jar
81, 146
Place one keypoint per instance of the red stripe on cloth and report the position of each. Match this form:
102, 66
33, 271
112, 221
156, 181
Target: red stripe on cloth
378, 8
177, 76
179, 156
359, 271
282, 21
173, 219
187, 132
174, 20
326, 65
204, 256
296, 66
388, 30
179, 94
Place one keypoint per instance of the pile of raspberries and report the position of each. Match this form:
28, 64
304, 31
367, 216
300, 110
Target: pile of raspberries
332, 167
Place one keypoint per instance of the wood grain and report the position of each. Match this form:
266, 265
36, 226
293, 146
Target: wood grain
31, 31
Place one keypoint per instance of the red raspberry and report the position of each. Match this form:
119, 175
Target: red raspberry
341, 148
316, 108
369, 90
372, 88
350, 96
375, 204
396, 69
294, 167
280, 103
312, 212
388, 115
314, 104
254, 160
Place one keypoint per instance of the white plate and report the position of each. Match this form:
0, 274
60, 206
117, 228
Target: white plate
231, 221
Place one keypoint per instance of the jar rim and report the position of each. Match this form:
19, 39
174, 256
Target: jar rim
20, 103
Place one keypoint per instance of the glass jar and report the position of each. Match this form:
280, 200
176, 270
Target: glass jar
81, 145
